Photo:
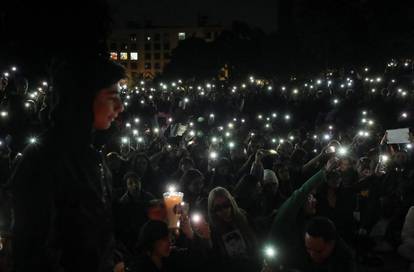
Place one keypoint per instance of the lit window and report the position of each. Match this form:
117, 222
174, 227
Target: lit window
181, 36
134, 55
124, 55
114, 56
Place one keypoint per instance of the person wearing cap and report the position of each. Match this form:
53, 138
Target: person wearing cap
61, 187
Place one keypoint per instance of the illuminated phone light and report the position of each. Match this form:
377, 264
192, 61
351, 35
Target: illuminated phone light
213, 155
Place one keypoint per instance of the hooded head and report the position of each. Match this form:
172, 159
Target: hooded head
77, 87
154, 238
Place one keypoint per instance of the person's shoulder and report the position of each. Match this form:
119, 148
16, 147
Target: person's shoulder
343, 251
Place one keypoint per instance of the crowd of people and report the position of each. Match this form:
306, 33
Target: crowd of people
302, 174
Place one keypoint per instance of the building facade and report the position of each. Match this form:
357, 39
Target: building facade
144, 52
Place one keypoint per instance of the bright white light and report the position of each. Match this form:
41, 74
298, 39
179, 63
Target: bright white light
172, 188
330, 127
211, 115
315, 136
230, 125
27, 105
170, 120
366, 69
273, 140
227, 134
373, 90
32, 140
404, 115
156, 130
384, 158
267, 126
281, 141
186, 100
136, 120
6, 74
283, 88
214, 139
335, 101
295, 91
242, 120
232, 145
140, 139
291, 138
270, 252
364, 113
196, 218
274, 115
213, 155
128, 125
409, 146
135, 132
287, 116
326, 137
191, 124
370, 122
124, 140
14, 68
260, 117
379, 79
342, 151
363, 120
192, 133
315, 151
269, 88
318, 81
4, 113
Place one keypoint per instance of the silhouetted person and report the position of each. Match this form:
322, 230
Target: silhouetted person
61, 187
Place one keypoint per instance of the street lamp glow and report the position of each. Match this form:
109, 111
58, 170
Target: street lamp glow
14, 68
404, 115
326, 137
4, 113
287, 117
33, 140
232, 145
214, 140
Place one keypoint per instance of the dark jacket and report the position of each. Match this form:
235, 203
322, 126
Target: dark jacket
62, 208
61, 188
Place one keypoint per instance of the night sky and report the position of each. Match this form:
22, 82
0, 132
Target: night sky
260, 13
